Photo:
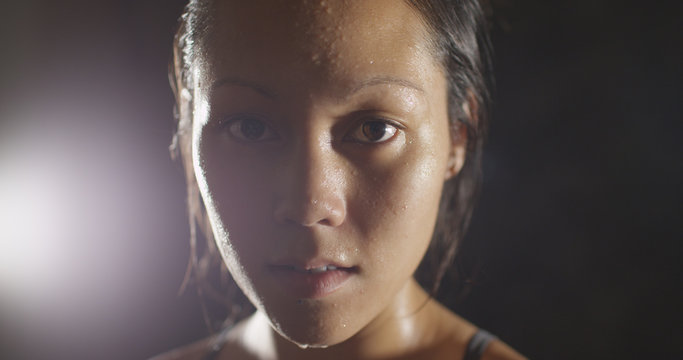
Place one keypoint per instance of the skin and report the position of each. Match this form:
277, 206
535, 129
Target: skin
312, 184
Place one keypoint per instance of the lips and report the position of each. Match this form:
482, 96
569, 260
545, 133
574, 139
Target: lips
317, 270
309, 281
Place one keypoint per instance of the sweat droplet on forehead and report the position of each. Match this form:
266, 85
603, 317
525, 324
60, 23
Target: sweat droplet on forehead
335, 37
322, 24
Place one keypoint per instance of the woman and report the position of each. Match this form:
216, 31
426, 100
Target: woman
327, 146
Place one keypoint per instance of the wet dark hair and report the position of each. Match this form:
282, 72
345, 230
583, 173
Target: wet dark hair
459, 37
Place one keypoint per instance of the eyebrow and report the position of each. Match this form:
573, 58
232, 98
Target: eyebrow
236, 81
385, 80
378, 80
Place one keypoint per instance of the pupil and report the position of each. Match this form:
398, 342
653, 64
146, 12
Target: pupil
252, 129
374, 130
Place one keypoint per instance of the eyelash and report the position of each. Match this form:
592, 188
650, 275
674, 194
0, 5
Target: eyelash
366, 126
261, 131
236, 128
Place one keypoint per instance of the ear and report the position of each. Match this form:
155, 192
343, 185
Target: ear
458, 148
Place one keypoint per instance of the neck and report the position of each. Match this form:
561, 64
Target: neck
406, 326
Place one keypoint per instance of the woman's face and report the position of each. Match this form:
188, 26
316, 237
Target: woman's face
320, 146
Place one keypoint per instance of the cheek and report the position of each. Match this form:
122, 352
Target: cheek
397, 209
234, 194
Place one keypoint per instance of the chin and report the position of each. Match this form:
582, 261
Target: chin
312, 327
313, 341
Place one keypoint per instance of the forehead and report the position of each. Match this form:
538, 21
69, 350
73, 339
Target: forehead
335, 39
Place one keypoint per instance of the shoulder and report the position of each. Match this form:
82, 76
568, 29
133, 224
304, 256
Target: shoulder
214, 347
194, 351
494, 350
461, 332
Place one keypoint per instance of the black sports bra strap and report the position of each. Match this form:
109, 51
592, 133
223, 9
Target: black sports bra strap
477, 344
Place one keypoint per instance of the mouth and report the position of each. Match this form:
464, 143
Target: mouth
311, 282
316, 270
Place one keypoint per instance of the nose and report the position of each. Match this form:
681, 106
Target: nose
311, 187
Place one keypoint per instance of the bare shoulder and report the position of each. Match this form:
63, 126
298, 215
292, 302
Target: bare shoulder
215, 347
194, 351
461, 331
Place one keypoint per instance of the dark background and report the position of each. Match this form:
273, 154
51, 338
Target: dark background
577, 228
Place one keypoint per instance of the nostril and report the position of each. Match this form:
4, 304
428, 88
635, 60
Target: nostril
325, 222
310, 213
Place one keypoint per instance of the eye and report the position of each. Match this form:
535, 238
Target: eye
249, 129
374, 131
